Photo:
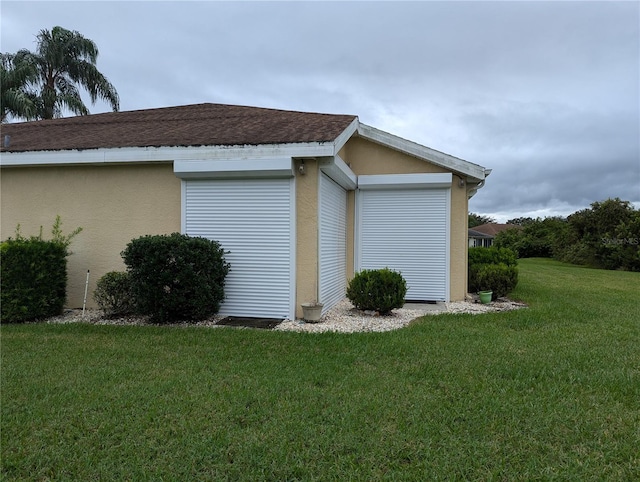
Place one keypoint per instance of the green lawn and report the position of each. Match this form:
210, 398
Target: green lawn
551, 392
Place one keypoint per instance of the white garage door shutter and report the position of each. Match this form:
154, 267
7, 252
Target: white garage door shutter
407, 231
333, 242
251, 218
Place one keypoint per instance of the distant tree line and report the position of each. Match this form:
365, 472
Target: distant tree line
605, 235
41, 84
478, 219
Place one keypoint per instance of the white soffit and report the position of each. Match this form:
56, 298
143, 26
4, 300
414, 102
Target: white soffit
438, 158
232, 169
406, 181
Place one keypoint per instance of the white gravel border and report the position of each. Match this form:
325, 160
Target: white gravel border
342, 318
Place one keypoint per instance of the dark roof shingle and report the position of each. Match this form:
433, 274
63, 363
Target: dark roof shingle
492, 229
189, 125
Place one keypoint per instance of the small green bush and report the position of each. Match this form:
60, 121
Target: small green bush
379, 290
34, 274
33, 277
498, 278
113, 294
493, 269
176, 277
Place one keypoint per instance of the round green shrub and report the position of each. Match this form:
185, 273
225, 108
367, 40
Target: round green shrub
379, 290
493, 269
176, 277
498, 278
33, 279
113, 294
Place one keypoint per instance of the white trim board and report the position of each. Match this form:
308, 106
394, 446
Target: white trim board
230, 169
339, 171
164, 154
405, 181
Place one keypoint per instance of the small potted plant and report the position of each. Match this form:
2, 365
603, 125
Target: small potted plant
485, 296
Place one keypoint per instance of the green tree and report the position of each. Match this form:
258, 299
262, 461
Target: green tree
628, 243
606, 235
521, 221
536, 238
65, 61
15, 76
478, 219
512, 239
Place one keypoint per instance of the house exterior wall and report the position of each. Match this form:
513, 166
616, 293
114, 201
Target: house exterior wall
366, 157
459, 246
306, 234
116, 203
112, 203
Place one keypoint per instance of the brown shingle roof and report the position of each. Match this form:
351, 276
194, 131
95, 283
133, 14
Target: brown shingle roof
494, 228
477, 234
189, 125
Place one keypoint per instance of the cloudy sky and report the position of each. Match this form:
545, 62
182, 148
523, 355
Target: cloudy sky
546, 94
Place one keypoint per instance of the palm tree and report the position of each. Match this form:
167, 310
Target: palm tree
66, 60
15, 76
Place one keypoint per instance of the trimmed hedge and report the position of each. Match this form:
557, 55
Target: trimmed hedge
379, 290
176, 277
33, 279
493, 269
492, 255
498, 278
113, 294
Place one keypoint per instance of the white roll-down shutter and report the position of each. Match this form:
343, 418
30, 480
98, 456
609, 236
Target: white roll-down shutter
252, 219
406, 229
333, 242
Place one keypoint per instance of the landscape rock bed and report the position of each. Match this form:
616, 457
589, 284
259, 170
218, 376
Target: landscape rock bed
343, 317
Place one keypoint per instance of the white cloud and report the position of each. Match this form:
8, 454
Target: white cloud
544, 93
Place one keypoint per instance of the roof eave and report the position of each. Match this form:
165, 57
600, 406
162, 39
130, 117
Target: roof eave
117, 155
473, 172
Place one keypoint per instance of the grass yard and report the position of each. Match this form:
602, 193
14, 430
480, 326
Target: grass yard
551, 392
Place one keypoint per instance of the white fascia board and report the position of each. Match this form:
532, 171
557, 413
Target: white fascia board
338, 170
342, 139
438, 158
405, 181
232, 169
163, 154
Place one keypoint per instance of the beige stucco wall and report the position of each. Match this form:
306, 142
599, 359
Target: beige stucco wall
307, 234
113, 204
459, 240
366, 157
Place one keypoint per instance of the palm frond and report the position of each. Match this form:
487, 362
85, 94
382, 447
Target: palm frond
64, 61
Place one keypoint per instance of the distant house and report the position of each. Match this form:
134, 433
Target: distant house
299, 201
483, 235
478, 239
